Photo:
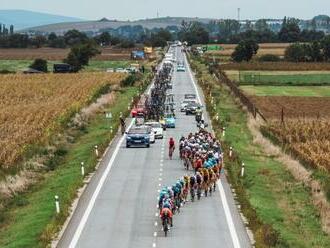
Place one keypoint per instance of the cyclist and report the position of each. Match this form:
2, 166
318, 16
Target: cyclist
171, 145
166, 213
122, 124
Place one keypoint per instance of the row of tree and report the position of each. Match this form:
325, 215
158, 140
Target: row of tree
69, 39
316, 51
4, 31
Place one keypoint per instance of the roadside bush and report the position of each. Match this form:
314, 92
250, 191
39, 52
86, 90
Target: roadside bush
269, 58
7, 72
130, 80
39, 65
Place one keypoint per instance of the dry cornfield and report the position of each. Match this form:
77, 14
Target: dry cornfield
309, 139
32, 106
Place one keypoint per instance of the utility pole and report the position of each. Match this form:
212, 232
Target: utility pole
238, 14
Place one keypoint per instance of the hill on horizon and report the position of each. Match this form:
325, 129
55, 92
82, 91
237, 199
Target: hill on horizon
23, 19
104, 23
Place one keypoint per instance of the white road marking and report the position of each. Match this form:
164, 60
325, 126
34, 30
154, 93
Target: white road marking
225, 205
161, 169
155, 234
159, 179
156, 214
92, 201
160, 185
158, 191
153, 244
229, 218
160, 174
156, 223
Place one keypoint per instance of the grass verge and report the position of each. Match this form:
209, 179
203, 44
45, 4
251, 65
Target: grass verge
279, 209
30, 219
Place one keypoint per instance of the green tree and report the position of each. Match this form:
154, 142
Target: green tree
80, 55
325, 46
11, 31
74, 37
245, 50
103, 39
290, 31
160, 38
194, 34
261, 25
314, 51
296, 52
39, 65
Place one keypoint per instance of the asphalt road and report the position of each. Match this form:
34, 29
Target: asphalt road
119, 207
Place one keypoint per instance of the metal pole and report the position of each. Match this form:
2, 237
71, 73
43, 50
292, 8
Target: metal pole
242, 170
82, 169
57, 204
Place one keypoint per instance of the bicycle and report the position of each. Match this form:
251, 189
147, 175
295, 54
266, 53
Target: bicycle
192, 193
165, 226
199, 191
170, 152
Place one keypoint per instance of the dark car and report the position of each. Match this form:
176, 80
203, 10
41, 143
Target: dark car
190, 96
191, 108
62, 68
138, 136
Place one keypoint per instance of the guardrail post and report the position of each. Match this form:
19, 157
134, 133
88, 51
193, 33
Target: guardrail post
242, 170
230, 152
96, 151
82, 168
57, 204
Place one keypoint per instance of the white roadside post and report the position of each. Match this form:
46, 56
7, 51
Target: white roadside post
82, 168
128, 107
217, 117
223, 132
57, 204
242, 170
111, 129
96, 151
230, 152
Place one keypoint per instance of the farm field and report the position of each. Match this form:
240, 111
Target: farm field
280, 77
275, 66
294, 107
94, 65
304, 91
60, 54
32, 106
264, 48
308, 139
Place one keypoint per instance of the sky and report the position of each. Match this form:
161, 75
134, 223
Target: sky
140, 9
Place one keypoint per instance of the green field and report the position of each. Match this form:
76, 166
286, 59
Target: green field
307, 91
280, 77
94, 65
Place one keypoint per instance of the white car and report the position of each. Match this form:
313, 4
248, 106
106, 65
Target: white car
185, 103
151, 134
181, 68
157, 129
